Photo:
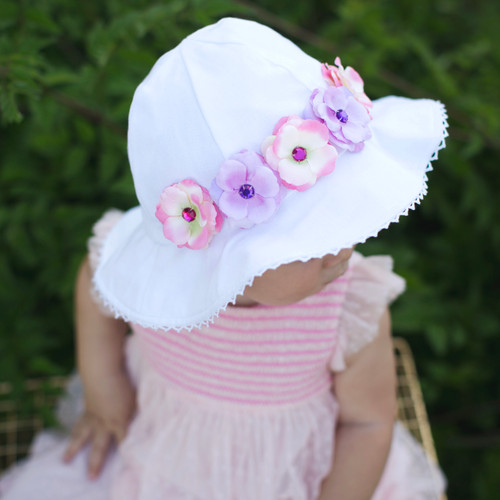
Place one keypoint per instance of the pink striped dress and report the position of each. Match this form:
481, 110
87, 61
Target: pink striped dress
241, 409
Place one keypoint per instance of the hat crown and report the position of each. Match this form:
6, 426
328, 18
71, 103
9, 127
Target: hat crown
219, 91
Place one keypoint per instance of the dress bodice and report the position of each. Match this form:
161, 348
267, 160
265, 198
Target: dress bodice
259, 355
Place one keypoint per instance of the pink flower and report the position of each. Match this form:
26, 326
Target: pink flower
348, 78
299, 152
189, 216
250, 189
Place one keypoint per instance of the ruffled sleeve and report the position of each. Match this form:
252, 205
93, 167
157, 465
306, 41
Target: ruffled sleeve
371, 287
100, 231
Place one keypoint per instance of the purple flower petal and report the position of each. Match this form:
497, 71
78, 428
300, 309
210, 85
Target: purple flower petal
233, 205
260, 209
244, 178
357, 112
251, 160
265, 182
335, 98
349, 128
232, 175
353, 132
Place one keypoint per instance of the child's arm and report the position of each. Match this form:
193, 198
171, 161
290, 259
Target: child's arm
366, 392
109, 394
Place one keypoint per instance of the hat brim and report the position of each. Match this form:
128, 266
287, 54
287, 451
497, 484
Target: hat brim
165, 287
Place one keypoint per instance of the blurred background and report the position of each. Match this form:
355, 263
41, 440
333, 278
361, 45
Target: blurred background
68, 71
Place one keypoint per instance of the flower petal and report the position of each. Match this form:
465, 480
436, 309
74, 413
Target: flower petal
251, 160
160, 214
354, 79
322, 161
266, 144
357, 112
280, 123
233, 205
265, 182
335, 98
313, 135
294, 174
286, 140
176, 229
232, 174
199, 240
261, 209
355, 132
207, 213
192, 189
173, 200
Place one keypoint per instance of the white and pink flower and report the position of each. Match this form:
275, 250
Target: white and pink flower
189, 216
348, 78
299, 152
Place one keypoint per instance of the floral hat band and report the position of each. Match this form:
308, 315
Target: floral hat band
250, 186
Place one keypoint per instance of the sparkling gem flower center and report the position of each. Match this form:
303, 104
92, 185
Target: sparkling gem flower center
188, 214
299, 154
247, 191
341, 116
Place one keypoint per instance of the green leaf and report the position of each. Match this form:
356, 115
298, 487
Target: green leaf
8, 107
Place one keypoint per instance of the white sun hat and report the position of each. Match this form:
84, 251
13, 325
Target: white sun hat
332, 169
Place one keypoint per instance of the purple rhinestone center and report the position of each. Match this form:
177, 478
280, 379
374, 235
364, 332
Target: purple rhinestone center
342, 116
299, 153
247, 191
188, 214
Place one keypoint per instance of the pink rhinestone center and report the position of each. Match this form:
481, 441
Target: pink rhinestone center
189, 214
299, 154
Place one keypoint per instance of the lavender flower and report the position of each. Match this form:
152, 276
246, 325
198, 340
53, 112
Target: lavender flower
251, 192
346, 119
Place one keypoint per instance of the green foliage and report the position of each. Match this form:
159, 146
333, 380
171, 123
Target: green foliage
67, 74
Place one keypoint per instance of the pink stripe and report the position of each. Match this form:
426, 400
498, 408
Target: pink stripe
244, 401
321, 304
240, 353
230, 370
244, 362
312, 340
315, 305
309, 304
175, 367
290, 330
228, 388
276, 318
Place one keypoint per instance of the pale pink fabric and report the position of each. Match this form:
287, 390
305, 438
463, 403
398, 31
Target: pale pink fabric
241, 409
100, 231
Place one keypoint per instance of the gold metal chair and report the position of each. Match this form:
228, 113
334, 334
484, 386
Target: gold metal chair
21, 419
411, 406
